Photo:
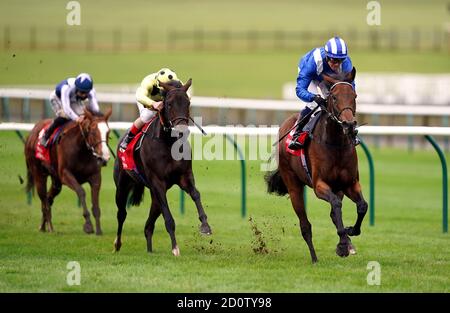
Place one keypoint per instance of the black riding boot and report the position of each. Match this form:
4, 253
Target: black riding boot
294, 144
125, 142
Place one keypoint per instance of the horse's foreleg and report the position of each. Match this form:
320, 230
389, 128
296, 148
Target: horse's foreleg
324, 192
355, 194
295, 189
95, 183
68, 179
187, 183
155, 212
159, 194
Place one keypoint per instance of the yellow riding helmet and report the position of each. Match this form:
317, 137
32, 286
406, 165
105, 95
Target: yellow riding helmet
165, 75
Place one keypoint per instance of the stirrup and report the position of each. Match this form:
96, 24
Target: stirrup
123, 145
44, 142
295, 145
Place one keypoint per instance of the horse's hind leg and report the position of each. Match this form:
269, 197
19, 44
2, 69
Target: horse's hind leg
296, 189
95, 183
68, 179
41, 188
122, 190
355, 194
155, 212
54, 191
187, 183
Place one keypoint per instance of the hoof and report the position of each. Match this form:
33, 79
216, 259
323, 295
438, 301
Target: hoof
49, 227
342, 250
351, 231
205, 229
99, 232
351, 249
88, 229
176, 251
117, 245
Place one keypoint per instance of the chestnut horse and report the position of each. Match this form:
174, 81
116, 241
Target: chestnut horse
161, 167
333, 164
76, 158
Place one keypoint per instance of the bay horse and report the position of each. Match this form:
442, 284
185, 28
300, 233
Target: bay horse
333, 163
76, 158
160, 169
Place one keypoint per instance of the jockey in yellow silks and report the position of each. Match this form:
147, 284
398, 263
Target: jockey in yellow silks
149, 99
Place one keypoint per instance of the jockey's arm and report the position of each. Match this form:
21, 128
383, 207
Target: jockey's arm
93, 104
143, 91
65, 100
303, 81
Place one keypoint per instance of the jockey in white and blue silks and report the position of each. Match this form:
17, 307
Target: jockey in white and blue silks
331, 59
69, 99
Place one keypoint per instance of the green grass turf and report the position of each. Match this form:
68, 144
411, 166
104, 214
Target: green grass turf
407, 239
159, 17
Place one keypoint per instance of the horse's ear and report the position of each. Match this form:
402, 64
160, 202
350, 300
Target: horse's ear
166, 86
108, 114
329, 79
187, 85
351, 76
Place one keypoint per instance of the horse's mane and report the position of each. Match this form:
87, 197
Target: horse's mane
96, 114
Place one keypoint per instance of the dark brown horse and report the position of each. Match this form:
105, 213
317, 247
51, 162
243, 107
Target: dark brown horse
76, 158
333, 165
161, 166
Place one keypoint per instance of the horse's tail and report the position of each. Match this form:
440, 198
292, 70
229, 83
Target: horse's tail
30, 178
30, 181
137, 194
275, 183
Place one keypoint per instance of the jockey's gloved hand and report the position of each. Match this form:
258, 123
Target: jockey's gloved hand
320, 101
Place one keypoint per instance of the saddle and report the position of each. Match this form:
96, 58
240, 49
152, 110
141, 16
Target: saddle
127, 157
42, 153
303, 138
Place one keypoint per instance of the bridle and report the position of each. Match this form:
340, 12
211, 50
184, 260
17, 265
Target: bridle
335, 114
168, 125
171, 122
88, 145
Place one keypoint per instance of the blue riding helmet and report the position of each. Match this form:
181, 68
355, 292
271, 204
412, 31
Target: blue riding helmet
336, 48
84, 82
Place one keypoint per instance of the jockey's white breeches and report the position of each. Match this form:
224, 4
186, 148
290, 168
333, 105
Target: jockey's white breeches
144, 113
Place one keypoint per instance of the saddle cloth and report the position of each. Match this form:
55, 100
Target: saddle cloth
42, 153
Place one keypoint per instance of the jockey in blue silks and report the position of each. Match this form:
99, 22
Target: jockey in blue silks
331, 59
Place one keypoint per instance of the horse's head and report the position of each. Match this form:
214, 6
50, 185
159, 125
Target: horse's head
341, 102
95, 131
175, 114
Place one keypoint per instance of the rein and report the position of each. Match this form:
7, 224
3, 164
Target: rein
92, 147
332, 114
